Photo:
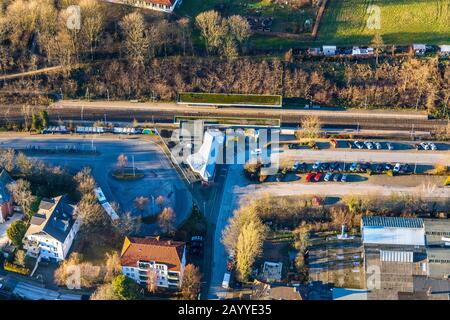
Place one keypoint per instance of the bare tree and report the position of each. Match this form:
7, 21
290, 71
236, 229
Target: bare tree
93, 20
166, 220
239, 28
152, 280
122, 162
21, 191
112, 266
160, 200
86, 183
190, 285
126, 225
141, 203
104, 292
211, 28
7, 159
136, 38
311, 126
89, 274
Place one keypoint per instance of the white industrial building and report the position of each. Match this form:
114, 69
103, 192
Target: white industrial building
393, 231
204, 161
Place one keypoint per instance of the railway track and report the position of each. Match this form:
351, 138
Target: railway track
167, 113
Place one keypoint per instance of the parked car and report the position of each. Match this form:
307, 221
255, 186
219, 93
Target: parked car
309, 176
390, 146
425, 146
334, 166
369, 145
377, 145
388, 166
418, 146
337, 177
405, 168
432, 146
226, 280
316, 165
325, 166
303, 167
397, 167
378, 167
318, 176
353, 166
344, 178
365, 166
358, 144
196, 245
294, 146
328, 176
296, 166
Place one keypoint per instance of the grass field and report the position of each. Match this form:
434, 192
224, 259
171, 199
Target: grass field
229, 99
402, 22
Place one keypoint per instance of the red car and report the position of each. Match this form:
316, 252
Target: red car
310, 176
318, 176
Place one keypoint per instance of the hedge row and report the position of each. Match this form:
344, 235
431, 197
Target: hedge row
8, 266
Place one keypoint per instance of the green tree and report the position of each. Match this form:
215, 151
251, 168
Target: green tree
248, 247
16, 232
125, 288
35, 123
43, 115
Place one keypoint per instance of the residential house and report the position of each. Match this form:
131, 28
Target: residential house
6, 199
144, 258
158, 5
52, 229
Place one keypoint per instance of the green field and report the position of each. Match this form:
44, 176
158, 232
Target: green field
402, 22
229, 99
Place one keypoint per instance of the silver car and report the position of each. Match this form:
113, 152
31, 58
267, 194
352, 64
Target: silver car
377, 145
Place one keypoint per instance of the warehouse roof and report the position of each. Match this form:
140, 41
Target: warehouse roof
392, 222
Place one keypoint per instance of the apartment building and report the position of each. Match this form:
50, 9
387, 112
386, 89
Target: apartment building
153, 259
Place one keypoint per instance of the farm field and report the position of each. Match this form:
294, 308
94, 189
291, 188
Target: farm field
402, 22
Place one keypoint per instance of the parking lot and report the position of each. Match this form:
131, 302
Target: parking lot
160, 178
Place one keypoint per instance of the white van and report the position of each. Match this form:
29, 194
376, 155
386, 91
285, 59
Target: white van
226, 281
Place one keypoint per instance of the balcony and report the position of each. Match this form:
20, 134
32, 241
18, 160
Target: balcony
173, 276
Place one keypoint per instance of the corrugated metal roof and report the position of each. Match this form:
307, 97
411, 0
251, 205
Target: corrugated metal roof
392, 222
396, 256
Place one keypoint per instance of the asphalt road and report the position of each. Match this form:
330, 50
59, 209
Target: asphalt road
160, 178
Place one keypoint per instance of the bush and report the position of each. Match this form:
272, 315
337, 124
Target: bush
8, 266
440, 169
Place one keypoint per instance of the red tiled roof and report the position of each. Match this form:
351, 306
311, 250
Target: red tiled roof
166, 252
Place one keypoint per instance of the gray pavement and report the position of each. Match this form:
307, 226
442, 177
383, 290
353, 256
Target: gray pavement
160, 178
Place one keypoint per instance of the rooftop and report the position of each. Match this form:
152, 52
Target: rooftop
391, 222
54, 218
152, 249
